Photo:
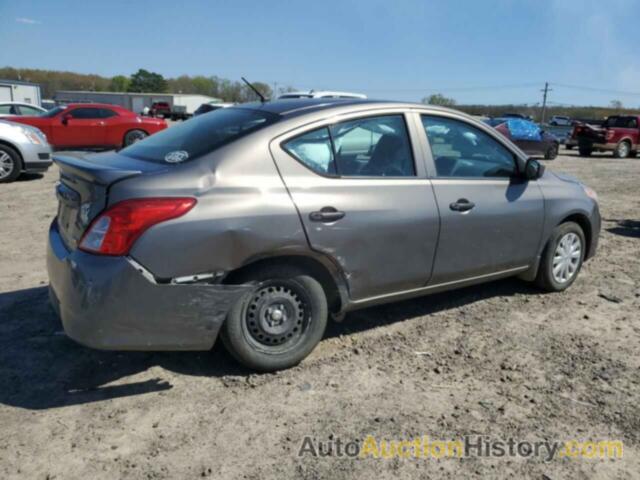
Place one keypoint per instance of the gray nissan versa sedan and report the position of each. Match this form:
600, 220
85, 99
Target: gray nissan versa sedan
260, 221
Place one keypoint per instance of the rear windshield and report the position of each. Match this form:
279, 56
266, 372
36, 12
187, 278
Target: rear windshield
199, 135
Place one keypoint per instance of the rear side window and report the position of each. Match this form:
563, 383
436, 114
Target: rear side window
200, 135
86, 113
106, 113
314, 150
366, 147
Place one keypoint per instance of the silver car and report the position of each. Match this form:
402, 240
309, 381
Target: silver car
23, 149
260, 221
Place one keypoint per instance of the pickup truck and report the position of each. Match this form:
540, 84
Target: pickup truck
619, 134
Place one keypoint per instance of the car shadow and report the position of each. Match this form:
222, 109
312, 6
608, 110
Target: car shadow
41, 368
28, 177
626, 228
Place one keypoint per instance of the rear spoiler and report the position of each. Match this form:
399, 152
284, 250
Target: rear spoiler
92, 171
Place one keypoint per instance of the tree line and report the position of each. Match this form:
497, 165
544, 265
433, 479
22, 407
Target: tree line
615, 107
143, 80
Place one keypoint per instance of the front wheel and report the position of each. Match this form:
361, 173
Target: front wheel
562, 258
10, 164
134, 136
279, 322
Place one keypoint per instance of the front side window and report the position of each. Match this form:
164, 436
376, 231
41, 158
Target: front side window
461, 150
86, 113
366, 147
200, 135
8, 110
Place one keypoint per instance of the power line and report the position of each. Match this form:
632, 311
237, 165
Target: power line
595, 89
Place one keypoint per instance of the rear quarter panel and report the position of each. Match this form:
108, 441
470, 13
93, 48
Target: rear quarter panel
244, 212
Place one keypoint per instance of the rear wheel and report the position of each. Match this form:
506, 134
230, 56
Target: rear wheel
552, 152
10, 164
134, 136
622, 150
279, 322
562, 258
585, 151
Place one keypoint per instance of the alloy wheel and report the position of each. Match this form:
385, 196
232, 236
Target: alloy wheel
6, 165
567, 257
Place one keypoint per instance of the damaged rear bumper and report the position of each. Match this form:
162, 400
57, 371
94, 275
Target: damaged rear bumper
108, 303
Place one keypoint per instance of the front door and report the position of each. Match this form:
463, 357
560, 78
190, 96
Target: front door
491, 218
84, 128
363, 200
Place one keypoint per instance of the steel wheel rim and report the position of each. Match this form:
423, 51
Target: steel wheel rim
6, 165
276, 316
567, 257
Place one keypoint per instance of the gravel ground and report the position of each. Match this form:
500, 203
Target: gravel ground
501, 360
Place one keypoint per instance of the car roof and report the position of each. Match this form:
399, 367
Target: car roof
97, 105
298, 106
20, 103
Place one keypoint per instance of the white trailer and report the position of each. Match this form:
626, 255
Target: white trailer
18, 91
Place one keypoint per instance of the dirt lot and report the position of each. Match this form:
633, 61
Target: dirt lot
500, 360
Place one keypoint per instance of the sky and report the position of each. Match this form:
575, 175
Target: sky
489, 51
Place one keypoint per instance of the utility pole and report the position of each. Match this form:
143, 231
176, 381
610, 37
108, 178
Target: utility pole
274, 95
544, 101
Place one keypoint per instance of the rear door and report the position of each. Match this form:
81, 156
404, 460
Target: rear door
491, 218
363, 199
85, 128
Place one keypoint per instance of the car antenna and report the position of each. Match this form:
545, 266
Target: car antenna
257, 92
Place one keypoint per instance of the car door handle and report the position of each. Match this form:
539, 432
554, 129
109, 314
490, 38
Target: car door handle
326, 214
462, 205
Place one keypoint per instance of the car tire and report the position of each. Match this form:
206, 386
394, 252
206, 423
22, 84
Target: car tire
278, 322
585, 152
561, 261
633, 153
552, 152
134, 136
622, 149
10, 164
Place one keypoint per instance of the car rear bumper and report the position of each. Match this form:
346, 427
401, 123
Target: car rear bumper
111, 303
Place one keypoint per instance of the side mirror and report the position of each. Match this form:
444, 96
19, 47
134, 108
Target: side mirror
533, 169
65, 118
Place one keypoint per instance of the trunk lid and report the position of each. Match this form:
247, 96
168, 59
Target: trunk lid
82, 191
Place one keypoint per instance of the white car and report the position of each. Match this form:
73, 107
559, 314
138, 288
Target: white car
23, 149
12, 109
320, 94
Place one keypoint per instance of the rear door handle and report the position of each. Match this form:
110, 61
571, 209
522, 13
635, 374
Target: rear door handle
327, 215
462, 205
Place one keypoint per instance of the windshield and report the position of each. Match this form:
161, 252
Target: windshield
199, 135
53, 112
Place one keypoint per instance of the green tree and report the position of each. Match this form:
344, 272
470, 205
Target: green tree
616, 104
439, 99
119, 83
145, 81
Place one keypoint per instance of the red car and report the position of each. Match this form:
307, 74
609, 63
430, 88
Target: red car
92, 125
619, 134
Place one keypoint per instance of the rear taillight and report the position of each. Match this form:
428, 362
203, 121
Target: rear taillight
115, 231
